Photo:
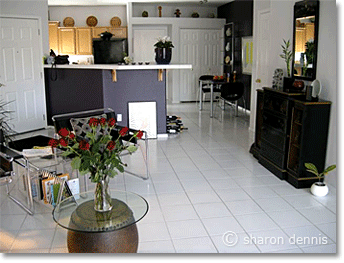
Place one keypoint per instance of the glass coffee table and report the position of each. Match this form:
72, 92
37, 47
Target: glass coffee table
90, 231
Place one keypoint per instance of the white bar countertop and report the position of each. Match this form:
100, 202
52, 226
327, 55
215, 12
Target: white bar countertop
123, 66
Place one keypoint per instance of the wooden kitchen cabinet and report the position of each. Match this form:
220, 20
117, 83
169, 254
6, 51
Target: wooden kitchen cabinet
53, 35
78, 40
67, 40
118, 32
83, 41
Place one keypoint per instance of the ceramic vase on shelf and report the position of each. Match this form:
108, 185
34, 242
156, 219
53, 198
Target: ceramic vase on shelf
163, 55
102, 197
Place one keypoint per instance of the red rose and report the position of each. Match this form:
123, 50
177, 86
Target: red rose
83, 145
72, 136
123, 131
93, 122
102, 121
64, 132
53, 143
139, 134
111, 145
63, 142
112, 122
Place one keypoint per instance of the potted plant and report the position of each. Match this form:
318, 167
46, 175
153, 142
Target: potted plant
287, 56
97, 154
163, 50
319, 188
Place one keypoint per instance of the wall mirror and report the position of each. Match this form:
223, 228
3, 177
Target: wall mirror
305, 41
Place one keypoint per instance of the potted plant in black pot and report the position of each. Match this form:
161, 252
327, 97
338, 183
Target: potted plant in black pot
319, 188
163, 50
287, 56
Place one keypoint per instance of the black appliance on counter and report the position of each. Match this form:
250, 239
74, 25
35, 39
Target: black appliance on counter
109, 51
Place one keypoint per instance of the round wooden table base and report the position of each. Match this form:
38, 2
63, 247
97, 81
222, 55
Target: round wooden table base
124, 240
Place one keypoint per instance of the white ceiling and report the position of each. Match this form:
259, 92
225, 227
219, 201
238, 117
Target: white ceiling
124, 2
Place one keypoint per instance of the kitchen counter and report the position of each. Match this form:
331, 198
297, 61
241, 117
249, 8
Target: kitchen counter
123, 67
72, 88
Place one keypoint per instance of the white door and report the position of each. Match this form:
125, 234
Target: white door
143, 42
189, 54
21, 71
262, 60
201, 48
263, 50
210, 50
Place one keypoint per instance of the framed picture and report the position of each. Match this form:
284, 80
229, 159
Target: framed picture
142, 116
247, 54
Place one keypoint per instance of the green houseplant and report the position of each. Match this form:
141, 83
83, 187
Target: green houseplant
5, 128
287, 55
319, 188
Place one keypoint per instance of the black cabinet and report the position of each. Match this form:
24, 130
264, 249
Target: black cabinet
308, 141
290, 132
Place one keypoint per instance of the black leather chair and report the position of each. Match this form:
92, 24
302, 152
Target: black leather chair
205, 87
232, 92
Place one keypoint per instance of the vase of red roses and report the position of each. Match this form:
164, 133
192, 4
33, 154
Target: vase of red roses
98, 154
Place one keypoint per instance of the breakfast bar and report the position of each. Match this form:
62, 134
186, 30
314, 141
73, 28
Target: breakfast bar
72, 88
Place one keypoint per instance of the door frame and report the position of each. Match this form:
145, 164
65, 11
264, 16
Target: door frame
255, 65
40, 47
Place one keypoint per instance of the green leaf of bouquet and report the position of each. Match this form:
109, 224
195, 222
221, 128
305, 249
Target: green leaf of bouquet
76, 146
120, 168
76, 163
84, 172
66, 153
112, 173
131, 148
90, 135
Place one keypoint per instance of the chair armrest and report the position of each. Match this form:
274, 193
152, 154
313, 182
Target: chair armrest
9, 153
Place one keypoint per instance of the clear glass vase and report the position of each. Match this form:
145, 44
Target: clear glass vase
102, 197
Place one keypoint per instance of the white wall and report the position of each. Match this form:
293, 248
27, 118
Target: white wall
80, 14
34, 8
169, 9
282, 28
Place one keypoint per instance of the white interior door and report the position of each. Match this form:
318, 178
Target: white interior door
21, 72
201, 48
189, 54
262, 41
263, 50
210, 50
144, 40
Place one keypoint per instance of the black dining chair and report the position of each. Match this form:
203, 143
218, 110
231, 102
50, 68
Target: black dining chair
233, 92
203, 82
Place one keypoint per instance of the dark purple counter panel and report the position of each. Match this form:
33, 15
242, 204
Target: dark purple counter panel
135, 86
86, 89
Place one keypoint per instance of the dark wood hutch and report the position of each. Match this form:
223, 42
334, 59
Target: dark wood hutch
290, 132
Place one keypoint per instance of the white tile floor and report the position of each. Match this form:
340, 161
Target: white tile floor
203, 184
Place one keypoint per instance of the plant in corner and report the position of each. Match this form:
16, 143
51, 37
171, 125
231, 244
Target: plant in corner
163, 50
97, 154
319, 188
5, 128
